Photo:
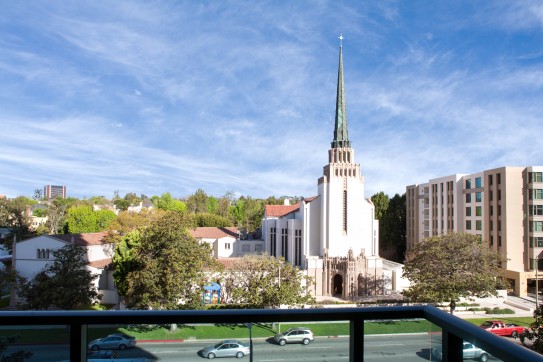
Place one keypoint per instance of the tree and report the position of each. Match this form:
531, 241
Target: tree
168, 203
55, 215
63, 284
197, 203
265, 281
448, 267
169, 266
380, 201
15, 215
83, 219
211, 220
534, 334
124, 260
38, 194
392, 230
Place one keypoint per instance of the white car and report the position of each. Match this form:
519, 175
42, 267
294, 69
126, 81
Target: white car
294, 335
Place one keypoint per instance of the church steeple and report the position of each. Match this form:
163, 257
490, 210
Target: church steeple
341, 133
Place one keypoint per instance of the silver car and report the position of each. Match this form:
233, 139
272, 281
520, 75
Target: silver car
226, 348
114, 341
294, 335
469, 352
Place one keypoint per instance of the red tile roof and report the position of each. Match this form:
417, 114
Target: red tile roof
309, 199
214, 232
228, 263
100, 264
83, 239
280, 210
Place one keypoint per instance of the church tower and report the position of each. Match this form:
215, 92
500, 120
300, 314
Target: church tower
347, 219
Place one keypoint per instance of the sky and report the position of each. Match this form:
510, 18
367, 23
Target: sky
239, 96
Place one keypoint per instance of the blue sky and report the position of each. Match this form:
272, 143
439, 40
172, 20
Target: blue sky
232, 96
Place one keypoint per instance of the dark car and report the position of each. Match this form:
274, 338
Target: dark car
226, 348
294, 335
113, 341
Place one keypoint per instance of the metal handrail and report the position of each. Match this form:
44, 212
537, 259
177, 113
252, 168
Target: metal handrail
454, 329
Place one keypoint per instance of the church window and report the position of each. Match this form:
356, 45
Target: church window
298, 247
273, 240
284, 243
345, 210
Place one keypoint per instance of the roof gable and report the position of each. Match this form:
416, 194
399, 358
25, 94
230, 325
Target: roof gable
280, 210
209, 232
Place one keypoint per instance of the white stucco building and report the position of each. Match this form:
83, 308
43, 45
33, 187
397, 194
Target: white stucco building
334, 236
30, 256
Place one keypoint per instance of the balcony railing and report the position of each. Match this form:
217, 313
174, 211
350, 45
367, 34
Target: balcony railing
454, 330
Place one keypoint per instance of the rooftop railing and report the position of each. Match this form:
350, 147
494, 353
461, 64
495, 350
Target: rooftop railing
454, 330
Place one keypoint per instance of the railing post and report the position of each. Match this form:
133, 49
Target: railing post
356, 340
452, 347
78, 342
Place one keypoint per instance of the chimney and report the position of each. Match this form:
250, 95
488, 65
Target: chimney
286, 202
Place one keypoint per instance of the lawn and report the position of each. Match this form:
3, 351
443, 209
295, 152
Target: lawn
219, 331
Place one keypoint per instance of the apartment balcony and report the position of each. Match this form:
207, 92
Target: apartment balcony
447, 333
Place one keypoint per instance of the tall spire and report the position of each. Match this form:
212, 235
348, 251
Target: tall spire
341, 133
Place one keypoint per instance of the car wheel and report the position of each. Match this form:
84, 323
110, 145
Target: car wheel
483, 358
282, 342
211, 355
239, 355
95, 348
514, 334
122, 347
306, 341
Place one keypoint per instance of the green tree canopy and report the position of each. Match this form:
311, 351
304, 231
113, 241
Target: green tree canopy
168, 203
265, 281
83, 219
533, 336
169, 266
206, 219
445, 268
197, 203
380, 201
15, 216
63, 284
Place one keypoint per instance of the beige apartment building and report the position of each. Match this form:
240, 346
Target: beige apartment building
503, 205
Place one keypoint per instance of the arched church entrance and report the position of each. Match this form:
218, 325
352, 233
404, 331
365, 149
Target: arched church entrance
338, 284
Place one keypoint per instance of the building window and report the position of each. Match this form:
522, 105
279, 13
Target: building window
478, 225
273, 241
258, 248
490, 179
227, 246
490, 195
536, 194
478, 182
478, 211
246, 248
536, 177
491, 210
536, 210
499, 178
298, 247
468, 224
536, 226
468, 184
499, 240
468, 211
478, 196
43, 254
345, 210
536, 241
499, 195
284, 243
468, 198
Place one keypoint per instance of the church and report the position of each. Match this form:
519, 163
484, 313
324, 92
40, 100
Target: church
334, 237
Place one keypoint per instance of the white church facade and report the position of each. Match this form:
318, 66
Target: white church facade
334, 236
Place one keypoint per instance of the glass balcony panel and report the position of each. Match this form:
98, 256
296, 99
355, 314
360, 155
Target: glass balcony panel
37, 343
409, 340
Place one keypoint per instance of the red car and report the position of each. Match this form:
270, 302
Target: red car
503, 329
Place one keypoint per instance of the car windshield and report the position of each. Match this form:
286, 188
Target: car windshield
218, 345
487, 324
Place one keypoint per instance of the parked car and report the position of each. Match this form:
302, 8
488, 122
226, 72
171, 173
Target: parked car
226, 348
113, 341
469, 352
294, 335
503, 329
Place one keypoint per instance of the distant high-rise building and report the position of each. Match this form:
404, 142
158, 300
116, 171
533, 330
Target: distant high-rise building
503, 205
52, 191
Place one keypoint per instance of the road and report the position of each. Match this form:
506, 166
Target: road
413, 347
